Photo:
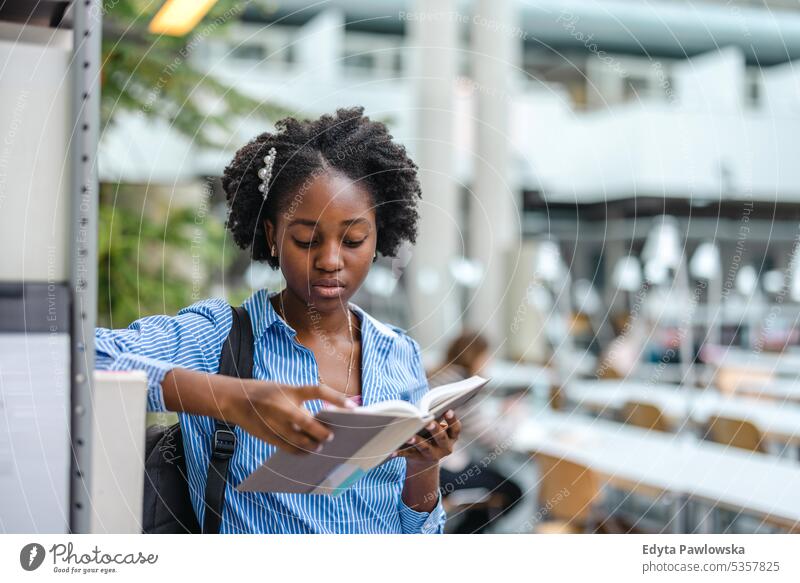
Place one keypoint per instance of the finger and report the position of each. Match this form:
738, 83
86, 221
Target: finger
298, 443
304, 422
439, 437
454, 430
327, 394
297, 446
274, 433
453, 425
423, 447
297, 439
284, 445
408, 448
280, 442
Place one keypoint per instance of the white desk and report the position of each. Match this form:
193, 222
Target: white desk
779, 421
649, 372
781, 390
781, 365
510, 375
764, 486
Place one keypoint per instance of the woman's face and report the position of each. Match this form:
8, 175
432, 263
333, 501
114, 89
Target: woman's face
325, 238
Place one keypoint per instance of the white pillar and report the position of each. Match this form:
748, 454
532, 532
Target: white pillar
494, 213
435, 303
319, 45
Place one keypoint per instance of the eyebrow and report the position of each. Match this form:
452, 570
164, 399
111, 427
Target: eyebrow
310, 223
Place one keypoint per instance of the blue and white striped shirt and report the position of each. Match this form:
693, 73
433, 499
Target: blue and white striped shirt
193, 339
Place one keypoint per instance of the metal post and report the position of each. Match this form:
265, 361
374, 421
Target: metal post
83, 247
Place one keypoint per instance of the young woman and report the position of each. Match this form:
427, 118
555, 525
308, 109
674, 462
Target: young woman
319, 200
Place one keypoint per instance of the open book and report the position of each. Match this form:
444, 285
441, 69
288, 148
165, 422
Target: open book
362, 439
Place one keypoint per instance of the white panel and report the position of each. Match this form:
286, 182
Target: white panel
781, 89
34, 435
120, 407
34, 169
713, 81
320, 45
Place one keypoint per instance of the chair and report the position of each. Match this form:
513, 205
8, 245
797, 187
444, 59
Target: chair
736, 433
470, 499
556, 398
644, 415
568, 495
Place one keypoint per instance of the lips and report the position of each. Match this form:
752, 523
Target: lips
328, 287
328, 282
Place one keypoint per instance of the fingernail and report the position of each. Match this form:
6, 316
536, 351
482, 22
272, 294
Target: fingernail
393, 454
411, 440
349, 404
330, 437
449, 415
319, 448
431, 426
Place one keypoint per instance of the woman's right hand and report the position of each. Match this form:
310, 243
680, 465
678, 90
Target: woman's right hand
275, 413
270, 411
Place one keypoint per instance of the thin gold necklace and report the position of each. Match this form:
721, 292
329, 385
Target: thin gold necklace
352, 346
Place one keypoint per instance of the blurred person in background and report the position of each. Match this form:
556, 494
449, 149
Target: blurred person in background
619, 359
491, 493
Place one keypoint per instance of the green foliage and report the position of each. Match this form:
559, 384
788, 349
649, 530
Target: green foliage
155, 75
148, 266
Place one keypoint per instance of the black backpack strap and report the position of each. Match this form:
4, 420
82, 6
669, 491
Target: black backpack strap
236, 360
223, 444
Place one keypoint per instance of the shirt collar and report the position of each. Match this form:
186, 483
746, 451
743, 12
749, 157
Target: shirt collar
264, 316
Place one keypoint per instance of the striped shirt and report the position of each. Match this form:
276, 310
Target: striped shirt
391, 369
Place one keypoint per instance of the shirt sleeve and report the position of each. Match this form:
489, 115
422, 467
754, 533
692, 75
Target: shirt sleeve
415, 522
156, 344
411, 520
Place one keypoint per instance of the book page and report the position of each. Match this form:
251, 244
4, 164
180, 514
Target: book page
360, 442
437, 400
394, 408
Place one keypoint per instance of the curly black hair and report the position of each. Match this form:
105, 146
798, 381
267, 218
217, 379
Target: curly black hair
348, 142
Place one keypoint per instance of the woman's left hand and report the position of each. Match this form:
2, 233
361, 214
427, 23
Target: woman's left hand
426, 452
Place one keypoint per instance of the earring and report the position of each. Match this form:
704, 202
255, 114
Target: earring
375, 257
273, 250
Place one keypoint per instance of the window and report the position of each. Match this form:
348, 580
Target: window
249, 52
363, 60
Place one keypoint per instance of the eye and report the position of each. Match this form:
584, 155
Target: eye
354, 243
303, 244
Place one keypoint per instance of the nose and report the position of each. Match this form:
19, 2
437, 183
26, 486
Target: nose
329, 256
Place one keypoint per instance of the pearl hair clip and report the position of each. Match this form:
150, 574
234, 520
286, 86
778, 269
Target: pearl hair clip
265, 173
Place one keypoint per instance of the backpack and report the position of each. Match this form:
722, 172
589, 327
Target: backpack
167, 505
